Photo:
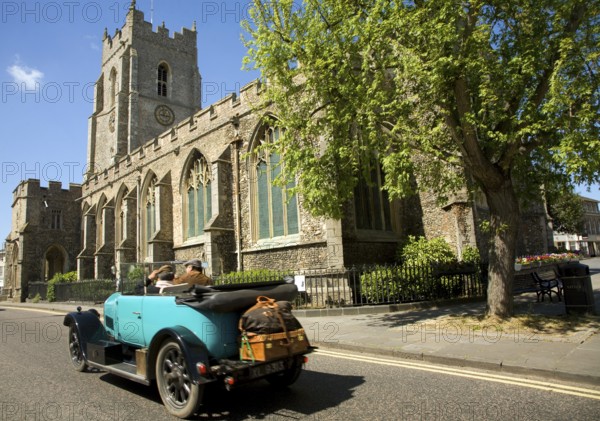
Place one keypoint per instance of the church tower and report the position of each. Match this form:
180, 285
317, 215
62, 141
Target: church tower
149, 81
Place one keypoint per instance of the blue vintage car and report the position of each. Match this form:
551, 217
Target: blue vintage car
184, 338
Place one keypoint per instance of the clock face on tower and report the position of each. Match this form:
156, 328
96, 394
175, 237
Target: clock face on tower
164, 115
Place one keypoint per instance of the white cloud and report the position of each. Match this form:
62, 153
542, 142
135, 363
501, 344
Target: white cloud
23, 75
93, 40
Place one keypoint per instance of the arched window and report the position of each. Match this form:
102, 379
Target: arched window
274, 213
122, 213
162, 80
372, 204
100, 237
112, 79
198, 202
150, 209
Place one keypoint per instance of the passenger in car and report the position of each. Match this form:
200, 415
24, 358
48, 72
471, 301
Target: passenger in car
165, 279
161, 277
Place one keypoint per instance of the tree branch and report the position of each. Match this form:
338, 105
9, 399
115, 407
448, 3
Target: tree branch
544, 82
468, 142
541, 89
572, 25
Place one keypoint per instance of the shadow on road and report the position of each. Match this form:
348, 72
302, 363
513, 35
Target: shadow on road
312, 393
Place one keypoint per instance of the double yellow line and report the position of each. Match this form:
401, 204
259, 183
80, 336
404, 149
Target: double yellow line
533, 384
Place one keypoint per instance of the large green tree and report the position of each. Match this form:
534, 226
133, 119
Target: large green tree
490, 94
565, 207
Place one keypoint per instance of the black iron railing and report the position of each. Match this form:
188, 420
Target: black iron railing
88, 291
372, 285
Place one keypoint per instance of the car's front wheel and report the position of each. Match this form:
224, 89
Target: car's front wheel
75, 350
178, 392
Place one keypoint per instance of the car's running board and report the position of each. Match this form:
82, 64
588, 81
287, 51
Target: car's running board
122, 370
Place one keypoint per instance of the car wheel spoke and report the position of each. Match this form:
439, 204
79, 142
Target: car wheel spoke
176, 386
177, 378
75, 352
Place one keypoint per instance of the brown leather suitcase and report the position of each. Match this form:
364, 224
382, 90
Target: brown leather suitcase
266, 347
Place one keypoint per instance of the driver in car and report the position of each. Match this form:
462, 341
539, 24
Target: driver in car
193, 274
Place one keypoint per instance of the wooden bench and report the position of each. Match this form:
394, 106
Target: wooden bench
543, 282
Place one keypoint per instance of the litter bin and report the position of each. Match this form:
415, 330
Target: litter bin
577, 288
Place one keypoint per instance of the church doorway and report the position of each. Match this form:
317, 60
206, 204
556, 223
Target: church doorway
54, 262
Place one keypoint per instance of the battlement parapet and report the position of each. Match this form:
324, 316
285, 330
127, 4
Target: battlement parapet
135, 23
32, 187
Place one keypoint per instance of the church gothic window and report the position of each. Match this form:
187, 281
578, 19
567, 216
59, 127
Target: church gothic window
275, 212
198, 202
151, 209
100, 235
162, 80
372, 205
122, 214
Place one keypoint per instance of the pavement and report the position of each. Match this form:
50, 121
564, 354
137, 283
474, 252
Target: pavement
542, 341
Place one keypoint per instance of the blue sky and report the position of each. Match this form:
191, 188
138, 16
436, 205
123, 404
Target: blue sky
50, 58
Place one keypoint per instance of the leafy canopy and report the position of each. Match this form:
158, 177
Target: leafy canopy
566, 209
443, 90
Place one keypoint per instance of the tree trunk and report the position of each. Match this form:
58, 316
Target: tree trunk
504, 225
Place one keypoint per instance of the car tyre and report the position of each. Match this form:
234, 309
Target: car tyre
180, 395
288, 376
75, 350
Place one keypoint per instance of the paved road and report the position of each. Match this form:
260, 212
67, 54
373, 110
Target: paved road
335, 386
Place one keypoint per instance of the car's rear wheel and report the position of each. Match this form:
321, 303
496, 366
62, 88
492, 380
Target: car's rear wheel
288, 376
178, 392
75, 350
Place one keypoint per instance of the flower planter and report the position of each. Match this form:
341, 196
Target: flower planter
543, 260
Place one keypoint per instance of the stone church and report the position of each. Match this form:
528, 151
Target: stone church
167, 180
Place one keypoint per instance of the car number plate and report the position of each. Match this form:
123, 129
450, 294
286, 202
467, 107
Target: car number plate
266, 369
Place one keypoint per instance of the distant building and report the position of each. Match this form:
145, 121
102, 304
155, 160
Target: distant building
587, 242
45, 235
